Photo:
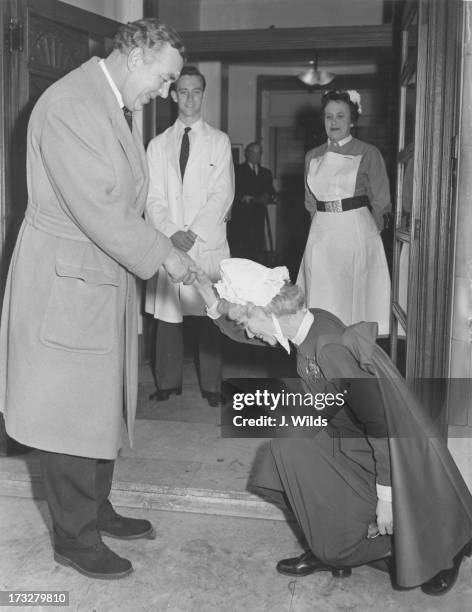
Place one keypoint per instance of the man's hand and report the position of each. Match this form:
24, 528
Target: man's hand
180, 267
247, 199
384, 517
183, 240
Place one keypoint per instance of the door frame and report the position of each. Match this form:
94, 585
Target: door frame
429, 310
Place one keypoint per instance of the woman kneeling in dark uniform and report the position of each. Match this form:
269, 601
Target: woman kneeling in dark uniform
378, 468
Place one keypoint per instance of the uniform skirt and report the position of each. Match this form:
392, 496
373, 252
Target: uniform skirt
344, 269
330, 485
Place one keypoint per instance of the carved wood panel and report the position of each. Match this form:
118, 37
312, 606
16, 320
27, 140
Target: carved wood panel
55, 47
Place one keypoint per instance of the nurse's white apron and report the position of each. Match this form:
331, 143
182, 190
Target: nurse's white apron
344, 269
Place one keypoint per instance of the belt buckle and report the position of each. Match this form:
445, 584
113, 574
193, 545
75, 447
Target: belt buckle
335, 206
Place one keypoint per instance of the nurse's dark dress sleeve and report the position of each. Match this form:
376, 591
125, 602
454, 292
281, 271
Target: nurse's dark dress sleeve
364, 401
310, 200
377, 186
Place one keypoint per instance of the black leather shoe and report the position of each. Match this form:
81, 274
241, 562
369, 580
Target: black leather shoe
307, 564
95, 562
161, 395
126, 528
446, 579
214, 398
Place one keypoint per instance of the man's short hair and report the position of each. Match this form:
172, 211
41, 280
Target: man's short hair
189, 71
251, 146
148, 34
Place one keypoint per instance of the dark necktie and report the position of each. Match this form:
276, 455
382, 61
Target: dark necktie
129, 117
184, 151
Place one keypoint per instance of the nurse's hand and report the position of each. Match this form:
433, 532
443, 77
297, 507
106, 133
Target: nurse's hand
204, 286
384, 517
202, 280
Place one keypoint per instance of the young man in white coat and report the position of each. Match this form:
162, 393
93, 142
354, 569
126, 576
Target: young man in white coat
190, 193
68, 336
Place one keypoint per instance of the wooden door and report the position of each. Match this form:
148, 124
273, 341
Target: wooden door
43, 40
406, 208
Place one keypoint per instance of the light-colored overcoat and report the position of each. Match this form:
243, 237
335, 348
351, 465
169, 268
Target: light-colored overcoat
200, 203
68, 337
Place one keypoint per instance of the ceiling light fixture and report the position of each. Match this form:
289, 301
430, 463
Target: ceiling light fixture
312, 76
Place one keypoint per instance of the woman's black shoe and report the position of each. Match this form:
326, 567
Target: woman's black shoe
446, 579
307, 564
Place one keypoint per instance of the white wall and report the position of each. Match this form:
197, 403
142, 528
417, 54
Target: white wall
243, 91
119, 10
249, 14
212, 101
183, 15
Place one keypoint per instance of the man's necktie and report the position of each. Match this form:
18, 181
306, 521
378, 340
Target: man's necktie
184, 151
129, 117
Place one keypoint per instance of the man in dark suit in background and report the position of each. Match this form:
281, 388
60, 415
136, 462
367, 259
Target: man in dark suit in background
254, 190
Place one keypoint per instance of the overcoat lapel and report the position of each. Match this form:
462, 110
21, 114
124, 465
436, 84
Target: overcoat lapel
131, 142
173, 149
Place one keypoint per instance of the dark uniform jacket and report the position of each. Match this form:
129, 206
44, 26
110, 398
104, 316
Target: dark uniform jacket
432, 506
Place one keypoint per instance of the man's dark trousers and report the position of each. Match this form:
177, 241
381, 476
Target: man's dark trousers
77, 490
169, 354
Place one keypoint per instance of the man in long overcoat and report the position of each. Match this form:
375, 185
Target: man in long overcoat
68, 338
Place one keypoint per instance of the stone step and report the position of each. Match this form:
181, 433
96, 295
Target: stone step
155, 497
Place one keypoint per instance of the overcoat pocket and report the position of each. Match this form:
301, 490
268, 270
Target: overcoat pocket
81, 311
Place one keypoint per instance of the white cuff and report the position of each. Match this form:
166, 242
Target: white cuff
212, 311
384, 493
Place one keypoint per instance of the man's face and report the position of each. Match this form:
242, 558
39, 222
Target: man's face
150, 75
254, 155
188, 96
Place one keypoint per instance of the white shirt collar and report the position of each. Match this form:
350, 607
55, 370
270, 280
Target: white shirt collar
197, 126
115, 89
341, 142
304, 328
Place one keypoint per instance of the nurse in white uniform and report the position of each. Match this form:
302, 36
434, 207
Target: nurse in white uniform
344, 269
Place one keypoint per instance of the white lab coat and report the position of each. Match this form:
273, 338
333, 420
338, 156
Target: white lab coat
200, 203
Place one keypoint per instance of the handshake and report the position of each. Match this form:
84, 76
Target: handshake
182, 269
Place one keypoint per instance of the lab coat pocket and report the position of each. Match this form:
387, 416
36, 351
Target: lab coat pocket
82, 310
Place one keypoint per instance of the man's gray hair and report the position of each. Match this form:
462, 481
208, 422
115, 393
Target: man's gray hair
148, 34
